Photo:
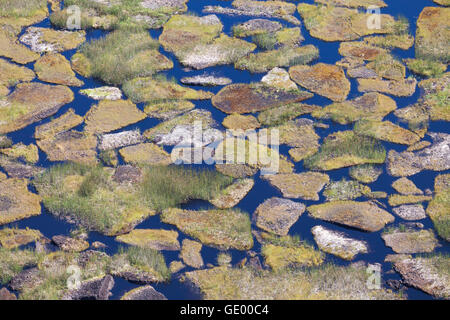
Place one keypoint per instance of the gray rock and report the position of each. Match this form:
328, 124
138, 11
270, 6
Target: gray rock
6, 295
410, 212
144, 293
127, 173
97, 289
119, 140
205, 80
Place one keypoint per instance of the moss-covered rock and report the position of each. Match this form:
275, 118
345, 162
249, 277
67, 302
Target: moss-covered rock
168, 109
54, 68
103, 93
345, 190
30, 103
190, 253
387, 67
256, 26
247, 98
70, 244
236, 170
13, 238
29, 153
11, 74
16, 15
16, 202
279, 78
337, 243
50, 40
154, 239
426, 67
399, 199
406, 187
306, 185
401, 88
345, 149
109, 115
368, 106
61, 124
410, 241
12, 262
233, 194
432, 34
324, 79
145, 153
428, 273
221, 228
283, 57
360, 50
361, 215
277, 215
12, 49
283, 113
402, 41
386, 131
237, 123
439, 208
143, 293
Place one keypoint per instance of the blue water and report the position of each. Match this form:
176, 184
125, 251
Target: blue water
51, 226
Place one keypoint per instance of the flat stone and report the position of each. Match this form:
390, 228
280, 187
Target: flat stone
16, 169
368, 106
410, 212
70, 244
399, 199
236, 170
279, 78
361, 215
439, 208
169, 109
31, 103
127, 173
386, 131
12, 74
324, 79
337, 243
96, 289
220, 228
206, 80
432, 34
154, 239
233, 194
13, 238
55, 68
435, 157
28, 153
12, 49
118, 140
360, 50
345, 190
306, 185
111, 115
277, 215
299, 134
190, 253
256, 26
143, 293
428, 274
50, 40
410, 241
16, 202
176, 266
145, 153
406, 186
362, 72
61, 124
284, 113
402, 88
103, 93
239, 123
248, 98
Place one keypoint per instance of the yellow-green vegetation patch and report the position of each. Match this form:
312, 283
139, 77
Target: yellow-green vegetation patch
12, 262
168, 109
233, 194
54, 68
248, 98
387, 67
426, 67
154, 239
360, 49
386, 131
190, 253
159, 90
298, 133
436, 98
283, 57
12, 49
145, 153
239, 122
368, 106
63, 123
326, 282
16, 202
345, 190
29, 153
11, 74
399, 199
13, 238
410, 241
439, 207
305, 185
110, 115
224, 229
255, 26
120, 56
402, 41
345, 149
330, 23
361, 215
324, 79
31, 102
284, 113
70, 145
406, 186
287, 252
432, 34
401, 88
22, 13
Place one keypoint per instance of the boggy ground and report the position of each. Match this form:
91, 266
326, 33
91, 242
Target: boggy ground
89, 118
